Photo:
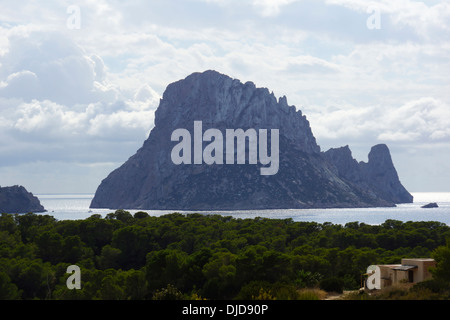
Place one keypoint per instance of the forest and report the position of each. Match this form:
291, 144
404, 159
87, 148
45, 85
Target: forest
196, 256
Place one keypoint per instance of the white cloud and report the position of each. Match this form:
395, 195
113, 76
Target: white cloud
93, 90
44, 65
24, 84
429, 21
309, 64
271, 7
46, 117
55, 97
422, 121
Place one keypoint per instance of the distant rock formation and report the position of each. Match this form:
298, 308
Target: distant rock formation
17, 199
306, 178
430, 205
378, 176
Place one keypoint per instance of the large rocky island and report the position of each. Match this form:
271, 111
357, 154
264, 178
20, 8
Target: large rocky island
305, 176
17, 199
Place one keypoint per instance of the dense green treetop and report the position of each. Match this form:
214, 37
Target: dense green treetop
124, 256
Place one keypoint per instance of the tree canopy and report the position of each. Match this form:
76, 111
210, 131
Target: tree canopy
189, 256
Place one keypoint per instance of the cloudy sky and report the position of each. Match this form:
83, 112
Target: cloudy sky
80, 80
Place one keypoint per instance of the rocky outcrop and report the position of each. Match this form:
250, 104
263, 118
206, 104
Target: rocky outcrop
377, 177
430, 205
306, 177
17, 199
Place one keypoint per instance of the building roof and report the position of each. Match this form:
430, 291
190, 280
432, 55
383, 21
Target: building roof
404, 267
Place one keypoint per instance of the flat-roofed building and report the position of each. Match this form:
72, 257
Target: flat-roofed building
410, 270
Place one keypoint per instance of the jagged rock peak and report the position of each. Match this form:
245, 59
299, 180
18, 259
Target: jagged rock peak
377, 175
380, 155
221, 101
382, 175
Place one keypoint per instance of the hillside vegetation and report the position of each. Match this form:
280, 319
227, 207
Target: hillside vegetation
199, 256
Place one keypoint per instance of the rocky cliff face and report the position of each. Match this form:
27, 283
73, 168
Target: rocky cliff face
377, 177
306, 177
17, 199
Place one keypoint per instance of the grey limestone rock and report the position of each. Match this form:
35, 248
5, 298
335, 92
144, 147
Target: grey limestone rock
307, 177
378, 176
17, 199
430, 205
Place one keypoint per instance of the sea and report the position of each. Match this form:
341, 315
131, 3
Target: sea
76, 206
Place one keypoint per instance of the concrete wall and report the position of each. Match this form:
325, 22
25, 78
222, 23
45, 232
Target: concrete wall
422, 272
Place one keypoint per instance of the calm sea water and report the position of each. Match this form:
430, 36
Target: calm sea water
76, 206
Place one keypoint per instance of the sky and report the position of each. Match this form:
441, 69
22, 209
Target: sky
80, 80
